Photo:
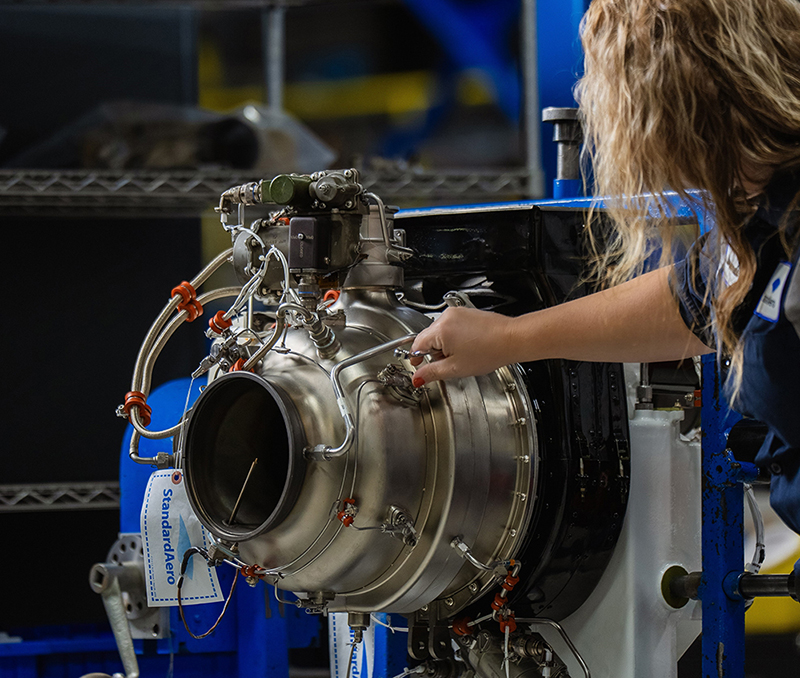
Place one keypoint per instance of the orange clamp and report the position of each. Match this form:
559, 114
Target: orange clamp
508, 622
461, 626
343, 515
137, 399
218, 323
509, 582
238, 366
250, 571
331, 294
498, 602
190, 304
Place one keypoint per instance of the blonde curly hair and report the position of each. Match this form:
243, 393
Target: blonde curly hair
689, 94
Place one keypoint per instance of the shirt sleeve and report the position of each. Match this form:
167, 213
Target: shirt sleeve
690, 280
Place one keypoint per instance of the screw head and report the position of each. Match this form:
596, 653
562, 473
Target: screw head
448, 602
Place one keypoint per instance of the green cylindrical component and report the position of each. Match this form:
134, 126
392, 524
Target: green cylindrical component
290, 189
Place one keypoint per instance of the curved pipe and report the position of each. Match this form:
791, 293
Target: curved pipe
324, 452
160, 321
158, 346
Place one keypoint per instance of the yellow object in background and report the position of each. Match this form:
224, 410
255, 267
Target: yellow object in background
773, 615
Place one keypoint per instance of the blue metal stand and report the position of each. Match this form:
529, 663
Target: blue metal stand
722, 534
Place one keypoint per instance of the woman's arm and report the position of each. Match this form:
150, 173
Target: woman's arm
637, 321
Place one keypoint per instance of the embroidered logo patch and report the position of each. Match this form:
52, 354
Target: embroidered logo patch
769, 306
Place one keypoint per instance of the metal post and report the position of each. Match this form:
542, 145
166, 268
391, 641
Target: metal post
723, 539
532, 120
272, 37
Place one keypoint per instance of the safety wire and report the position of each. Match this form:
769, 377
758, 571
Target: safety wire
353, 645
408, 671
755, 564
183, 424
186, 556
388, 625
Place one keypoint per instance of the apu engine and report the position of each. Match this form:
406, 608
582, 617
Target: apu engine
317, 466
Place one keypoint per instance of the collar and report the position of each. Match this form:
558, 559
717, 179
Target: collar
779, 193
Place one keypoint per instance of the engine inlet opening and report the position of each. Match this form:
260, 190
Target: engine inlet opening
241, 418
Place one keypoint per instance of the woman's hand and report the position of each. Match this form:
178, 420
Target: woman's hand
464, 342
636, 322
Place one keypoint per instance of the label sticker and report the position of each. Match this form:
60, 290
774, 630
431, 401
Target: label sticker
769, 307
341, 647
169, 529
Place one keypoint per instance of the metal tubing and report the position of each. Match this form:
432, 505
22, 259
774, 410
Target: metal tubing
252, 361
530, 74
752, 585
686, 586
273, 33
147, 370
162, 318
324, 452
564, 636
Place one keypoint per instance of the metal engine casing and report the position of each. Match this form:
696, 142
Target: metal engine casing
529, 463
460, 458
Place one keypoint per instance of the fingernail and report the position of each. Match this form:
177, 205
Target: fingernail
418, 381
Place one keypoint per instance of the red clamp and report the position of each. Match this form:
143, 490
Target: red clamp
218, 324
346, 515
137, 399
331, 294
251, 571
190, 304
509, 582
698, 398
507, 622
461, 626
238, 366
498, 602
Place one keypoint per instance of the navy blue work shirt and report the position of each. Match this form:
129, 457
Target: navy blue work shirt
768, 322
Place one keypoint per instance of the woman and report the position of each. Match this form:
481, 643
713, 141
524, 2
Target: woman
679, 95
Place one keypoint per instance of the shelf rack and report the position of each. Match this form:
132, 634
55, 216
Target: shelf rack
188, 193
24, 498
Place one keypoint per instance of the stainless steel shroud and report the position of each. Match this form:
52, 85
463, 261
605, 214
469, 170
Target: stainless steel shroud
455, 459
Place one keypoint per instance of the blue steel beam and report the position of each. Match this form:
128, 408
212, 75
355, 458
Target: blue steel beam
722, 534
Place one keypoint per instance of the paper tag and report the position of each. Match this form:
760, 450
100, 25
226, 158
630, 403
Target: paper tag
169, 529
341, 647
769, 307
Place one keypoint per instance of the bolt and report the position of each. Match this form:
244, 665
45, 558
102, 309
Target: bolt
301, 236
253, 242
511, 387
512, 532
448, 602
473, 587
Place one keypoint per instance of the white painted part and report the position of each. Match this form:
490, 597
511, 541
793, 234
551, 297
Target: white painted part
340, 645
626, 629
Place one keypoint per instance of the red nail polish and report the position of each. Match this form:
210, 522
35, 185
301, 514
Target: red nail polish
418, 381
